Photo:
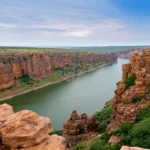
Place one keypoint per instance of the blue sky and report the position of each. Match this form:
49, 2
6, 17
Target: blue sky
74, 22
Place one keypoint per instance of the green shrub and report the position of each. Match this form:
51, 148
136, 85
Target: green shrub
105, 114
102, 126
140, 134
4, 62
104, 117
27, 80
118, 83
144, 113
105, 136
24, 58
124, 133
102, 145
80, 146
130, 81
98, 145
58, 132
136, 99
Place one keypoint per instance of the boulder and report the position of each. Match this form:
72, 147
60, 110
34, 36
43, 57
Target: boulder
5, 111
114, 140
24, 129
53, 142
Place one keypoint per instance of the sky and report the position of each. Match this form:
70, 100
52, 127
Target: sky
74, 22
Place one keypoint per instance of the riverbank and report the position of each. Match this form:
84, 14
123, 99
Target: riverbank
22, 90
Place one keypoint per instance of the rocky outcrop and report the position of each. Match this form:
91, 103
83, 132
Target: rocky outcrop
128, 53
53, 142
130, 100
114, 140
77, 128
132, 148
26, 130
40, 64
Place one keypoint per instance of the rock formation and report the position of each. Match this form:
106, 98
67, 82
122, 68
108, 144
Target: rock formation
130, 100
26, 130
77, 128
114, 140
40, 64
128, 53
132, 148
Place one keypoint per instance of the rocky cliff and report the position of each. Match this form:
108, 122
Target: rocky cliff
26, 130
133, 91
128, 53
40, 64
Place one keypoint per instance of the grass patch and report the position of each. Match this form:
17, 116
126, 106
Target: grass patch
58, 132
130, 81
80, 146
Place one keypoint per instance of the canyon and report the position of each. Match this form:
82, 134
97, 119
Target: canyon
41, 64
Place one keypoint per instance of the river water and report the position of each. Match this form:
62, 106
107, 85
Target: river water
86, 93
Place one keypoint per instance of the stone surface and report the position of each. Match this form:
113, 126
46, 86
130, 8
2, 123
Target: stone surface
132, 148
5, 112
77, 128
114, 140
53, 142
24, 129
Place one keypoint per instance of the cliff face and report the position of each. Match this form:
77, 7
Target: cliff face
131, 99
40, 65
128, 53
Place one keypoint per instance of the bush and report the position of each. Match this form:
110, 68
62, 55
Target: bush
144, 113
27, 80
102, 145
102, 126
140, 134
124, 133
80, 146
58, 132
104, 117
118, 83
105, 114
136, 99
130, 81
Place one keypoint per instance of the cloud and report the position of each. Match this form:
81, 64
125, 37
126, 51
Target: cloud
7, 25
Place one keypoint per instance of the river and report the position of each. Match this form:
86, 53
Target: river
86, 93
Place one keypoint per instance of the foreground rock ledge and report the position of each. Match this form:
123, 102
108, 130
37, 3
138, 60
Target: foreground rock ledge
132, 148
26, 130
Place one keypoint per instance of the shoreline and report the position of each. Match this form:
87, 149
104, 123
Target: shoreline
51, 83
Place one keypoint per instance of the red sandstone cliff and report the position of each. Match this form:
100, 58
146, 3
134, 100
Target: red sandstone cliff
128, 53
40, 65
125, 108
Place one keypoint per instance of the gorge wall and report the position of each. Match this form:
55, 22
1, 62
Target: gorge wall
41, 64
128, 53
133, 91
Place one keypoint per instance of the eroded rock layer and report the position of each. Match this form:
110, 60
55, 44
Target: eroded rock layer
41, 64
78, 127
129, 100
129, 53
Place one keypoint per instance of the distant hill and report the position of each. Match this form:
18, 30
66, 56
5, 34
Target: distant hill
108, 48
